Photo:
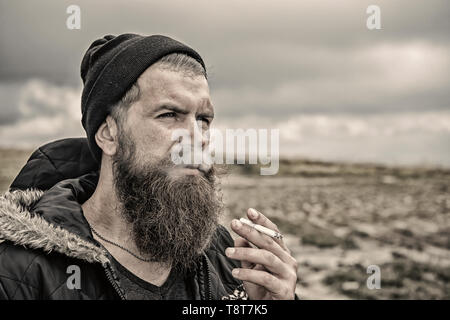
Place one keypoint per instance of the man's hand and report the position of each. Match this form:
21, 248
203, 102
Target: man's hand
268, 271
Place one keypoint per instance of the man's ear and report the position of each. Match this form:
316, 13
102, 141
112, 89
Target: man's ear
106, 136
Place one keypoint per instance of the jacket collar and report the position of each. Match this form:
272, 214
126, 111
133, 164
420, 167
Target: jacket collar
61, 205
36, 229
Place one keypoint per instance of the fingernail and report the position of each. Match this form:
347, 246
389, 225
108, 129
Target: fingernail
237, 223
235, 272
230, 251
253, 213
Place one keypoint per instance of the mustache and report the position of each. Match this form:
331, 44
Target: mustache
204, 168
208, 171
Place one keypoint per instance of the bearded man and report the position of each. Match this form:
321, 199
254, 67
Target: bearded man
111, 216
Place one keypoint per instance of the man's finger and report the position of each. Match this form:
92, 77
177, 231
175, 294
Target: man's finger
259, 256
257, 217
241, 242
260, 240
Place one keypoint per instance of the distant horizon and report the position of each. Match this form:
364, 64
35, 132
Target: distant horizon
300, 158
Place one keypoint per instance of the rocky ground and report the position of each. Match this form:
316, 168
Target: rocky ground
339, 219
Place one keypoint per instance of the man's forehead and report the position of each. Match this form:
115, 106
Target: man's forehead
162, 85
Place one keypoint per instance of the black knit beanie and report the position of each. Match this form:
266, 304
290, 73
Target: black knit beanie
110, 66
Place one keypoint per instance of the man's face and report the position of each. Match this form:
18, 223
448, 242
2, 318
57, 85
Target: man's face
173, 210
169, 101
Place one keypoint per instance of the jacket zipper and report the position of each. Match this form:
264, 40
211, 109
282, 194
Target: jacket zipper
110, 277
208, 279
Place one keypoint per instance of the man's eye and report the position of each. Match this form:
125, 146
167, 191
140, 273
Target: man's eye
167, 115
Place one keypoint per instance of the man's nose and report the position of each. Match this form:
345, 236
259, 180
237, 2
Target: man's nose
197, 134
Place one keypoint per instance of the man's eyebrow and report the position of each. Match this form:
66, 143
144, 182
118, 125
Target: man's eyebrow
171, 108
209, 112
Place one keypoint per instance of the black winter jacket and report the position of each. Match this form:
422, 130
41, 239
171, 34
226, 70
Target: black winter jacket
43, 232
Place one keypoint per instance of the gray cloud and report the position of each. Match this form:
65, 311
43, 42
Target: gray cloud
272, 61
35, 41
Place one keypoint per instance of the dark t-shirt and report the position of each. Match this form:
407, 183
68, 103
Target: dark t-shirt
176, 286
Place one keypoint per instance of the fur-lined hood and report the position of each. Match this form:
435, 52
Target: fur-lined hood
23, 227
42, 209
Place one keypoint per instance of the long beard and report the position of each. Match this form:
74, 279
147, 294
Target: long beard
172, 219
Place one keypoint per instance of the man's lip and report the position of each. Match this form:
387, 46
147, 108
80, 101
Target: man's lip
201, 167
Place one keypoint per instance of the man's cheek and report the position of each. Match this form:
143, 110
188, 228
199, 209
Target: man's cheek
149, 150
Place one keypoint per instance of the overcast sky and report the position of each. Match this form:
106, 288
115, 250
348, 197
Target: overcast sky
336, 90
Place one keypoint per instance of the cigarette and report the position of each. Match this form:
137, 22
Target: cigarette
260, 228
